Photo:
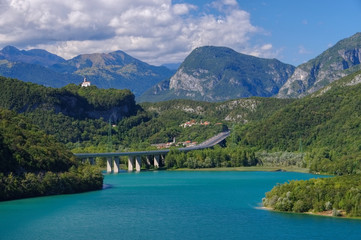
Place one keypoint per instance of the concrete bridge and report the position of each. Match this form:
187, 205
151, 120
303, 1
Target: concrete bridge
134, 158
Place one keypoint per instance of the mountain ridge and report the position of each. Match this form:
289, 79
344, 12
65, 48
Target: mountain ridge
106, 70
218, 74
334, 63
33, 56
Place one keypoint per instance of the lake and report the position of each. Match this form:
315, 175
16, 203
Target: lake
170, 205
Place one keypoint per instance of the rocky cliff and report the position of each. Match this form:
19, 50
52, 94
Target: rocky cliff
336, 62
219, 74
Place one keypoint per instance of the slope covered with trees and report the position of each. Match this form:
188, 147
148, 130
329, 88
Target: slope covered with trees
79, 117
33, 163
72, 114
325, 125
336, 196
325, 128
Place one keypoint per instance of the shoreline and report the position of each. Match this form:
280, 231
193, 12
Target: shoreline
319, 214
246, 169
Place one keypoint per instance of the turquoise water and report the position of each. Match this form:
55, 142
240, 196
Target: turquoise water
170, 205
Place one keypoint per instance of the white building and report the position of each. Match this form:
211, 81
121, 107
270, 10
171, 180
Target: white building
85, 83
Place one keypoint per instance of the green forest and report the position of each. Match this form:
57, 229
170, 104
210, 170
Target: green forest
340, 195
33, 163
325, 127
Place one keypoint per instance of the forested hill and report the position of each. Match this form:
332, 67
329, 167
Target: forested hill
35, 164
242, 110
71, 100
325, 124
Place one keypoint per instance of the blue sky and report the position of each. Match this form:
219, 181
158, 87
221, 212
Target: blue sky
299, 30
165, 31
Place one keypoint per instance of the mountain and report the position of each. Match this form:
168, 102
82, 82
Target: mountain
115, 70
32, 66
37, 74
34, 56
105, 70
173, 66
218, 74
336, 62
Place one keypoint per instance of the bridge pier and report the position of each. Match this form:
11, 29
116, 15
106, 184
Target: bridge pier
130, 163
116, 165
138, 163
109, 164
91, 161
156, 161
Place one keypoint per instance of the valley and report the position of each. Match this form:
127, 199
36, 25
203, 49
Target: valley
271, 126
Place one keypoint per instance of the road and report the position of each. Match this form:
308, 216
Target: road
206, 144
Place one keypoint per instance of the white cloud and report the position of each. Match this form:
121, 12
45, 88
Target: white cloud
265, 51
266, 47
155, 31
181, 9
230, 2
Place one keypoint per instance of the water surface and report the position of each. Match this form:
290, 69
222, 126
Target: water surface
170, 205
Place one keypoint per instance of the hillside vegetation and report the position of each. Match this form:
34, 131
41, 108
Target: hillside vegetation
242, 110
326, 125
35, 164
79, 117
337, 196
72, 114
325, 128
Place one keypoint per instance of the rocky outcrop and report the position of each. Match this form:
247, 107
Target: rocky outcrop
220, 74
336, 62
199, 81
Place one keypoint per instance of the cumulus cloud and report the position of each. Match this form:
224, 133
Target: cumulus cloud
155, 31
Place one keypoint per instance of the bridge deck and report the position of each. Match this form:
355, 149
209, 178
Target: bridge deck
206, 144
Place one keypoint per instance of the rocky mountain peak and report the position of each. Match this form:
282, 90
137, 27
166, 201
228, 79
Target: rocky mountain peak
219, 73
334, 63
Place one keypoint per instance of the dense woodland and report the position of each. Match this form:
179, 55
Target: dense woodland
211, 158
325, 126
33, 163
341, 195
